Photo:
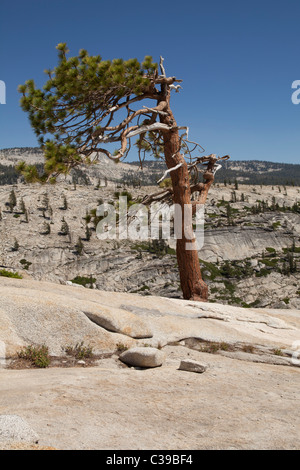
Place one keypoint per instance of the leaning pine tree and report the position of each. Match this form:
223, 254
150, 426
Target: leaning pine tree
88, 102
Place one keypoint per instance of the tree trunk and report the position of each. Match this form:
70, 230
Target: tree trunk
192, 284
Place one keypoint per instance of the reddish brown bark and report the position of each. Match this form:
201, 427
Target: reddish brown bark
192, 284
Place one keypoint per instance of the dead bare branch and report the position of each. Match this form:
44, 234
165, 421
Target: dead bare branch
169, 171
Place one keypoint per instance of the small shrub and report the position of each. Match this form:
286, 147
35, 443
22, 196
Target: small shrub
127, 194
144, 287
248, 348
121, 347
5, 273
210, 347
25, 263
278, 352
84, 281
262, 273
79, 351
225, 346
276, 225
37, 355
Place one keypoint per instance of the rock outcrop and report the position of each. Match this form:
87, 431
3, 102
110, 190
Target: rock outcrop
246, 399
254, 246
35, 312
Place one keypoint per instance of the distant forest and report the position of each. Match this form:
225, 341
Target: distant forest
272, 173
8, 175
252, 172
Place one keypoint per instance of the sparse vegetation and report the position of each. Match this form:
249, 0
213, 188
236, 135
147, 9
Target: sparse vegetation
5, 273
38, 356
84, 281
248, 348
121, 347
64, 229
227, 279
155, 246
79, 246
25, 264
79, 351
278, 352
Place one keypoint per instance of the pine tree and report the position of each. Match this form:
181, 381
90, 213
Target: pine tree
64, 229
22, 206
291, 263
233, 196
79, 106
45, 202
293, 249
12, 200
87, 233
16, 245
50, 211
65, 204
46, 229
79, 246
26, 219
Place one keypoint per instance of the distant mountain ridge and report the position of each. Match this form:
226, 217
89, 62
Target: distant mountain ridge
246, 172
254, 172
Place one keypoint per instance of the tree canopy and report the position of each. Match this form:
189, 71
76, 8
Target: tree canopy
72, 114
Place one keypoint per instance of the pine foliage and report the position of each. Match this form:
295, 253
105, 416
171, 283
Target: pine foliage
78, 95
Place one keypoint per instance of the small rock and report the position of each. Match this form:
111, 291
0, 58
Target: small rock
13, 428
143, 357
192, 366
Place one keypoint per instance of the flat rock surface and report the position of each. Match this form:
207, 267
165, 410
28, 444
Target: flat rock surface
246, 399
58, 315
233, 405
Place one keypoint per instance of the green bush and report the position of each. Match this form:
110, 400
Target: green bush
276, 225
37, 355
84, 281
25, 263
5, 273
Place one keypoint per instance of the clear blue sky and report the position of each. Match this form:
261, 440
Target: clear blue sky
237, 60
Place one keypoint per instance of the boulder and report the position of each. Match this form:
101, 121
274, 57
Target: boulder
192, 366
143, 357
119, 321
13, 428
